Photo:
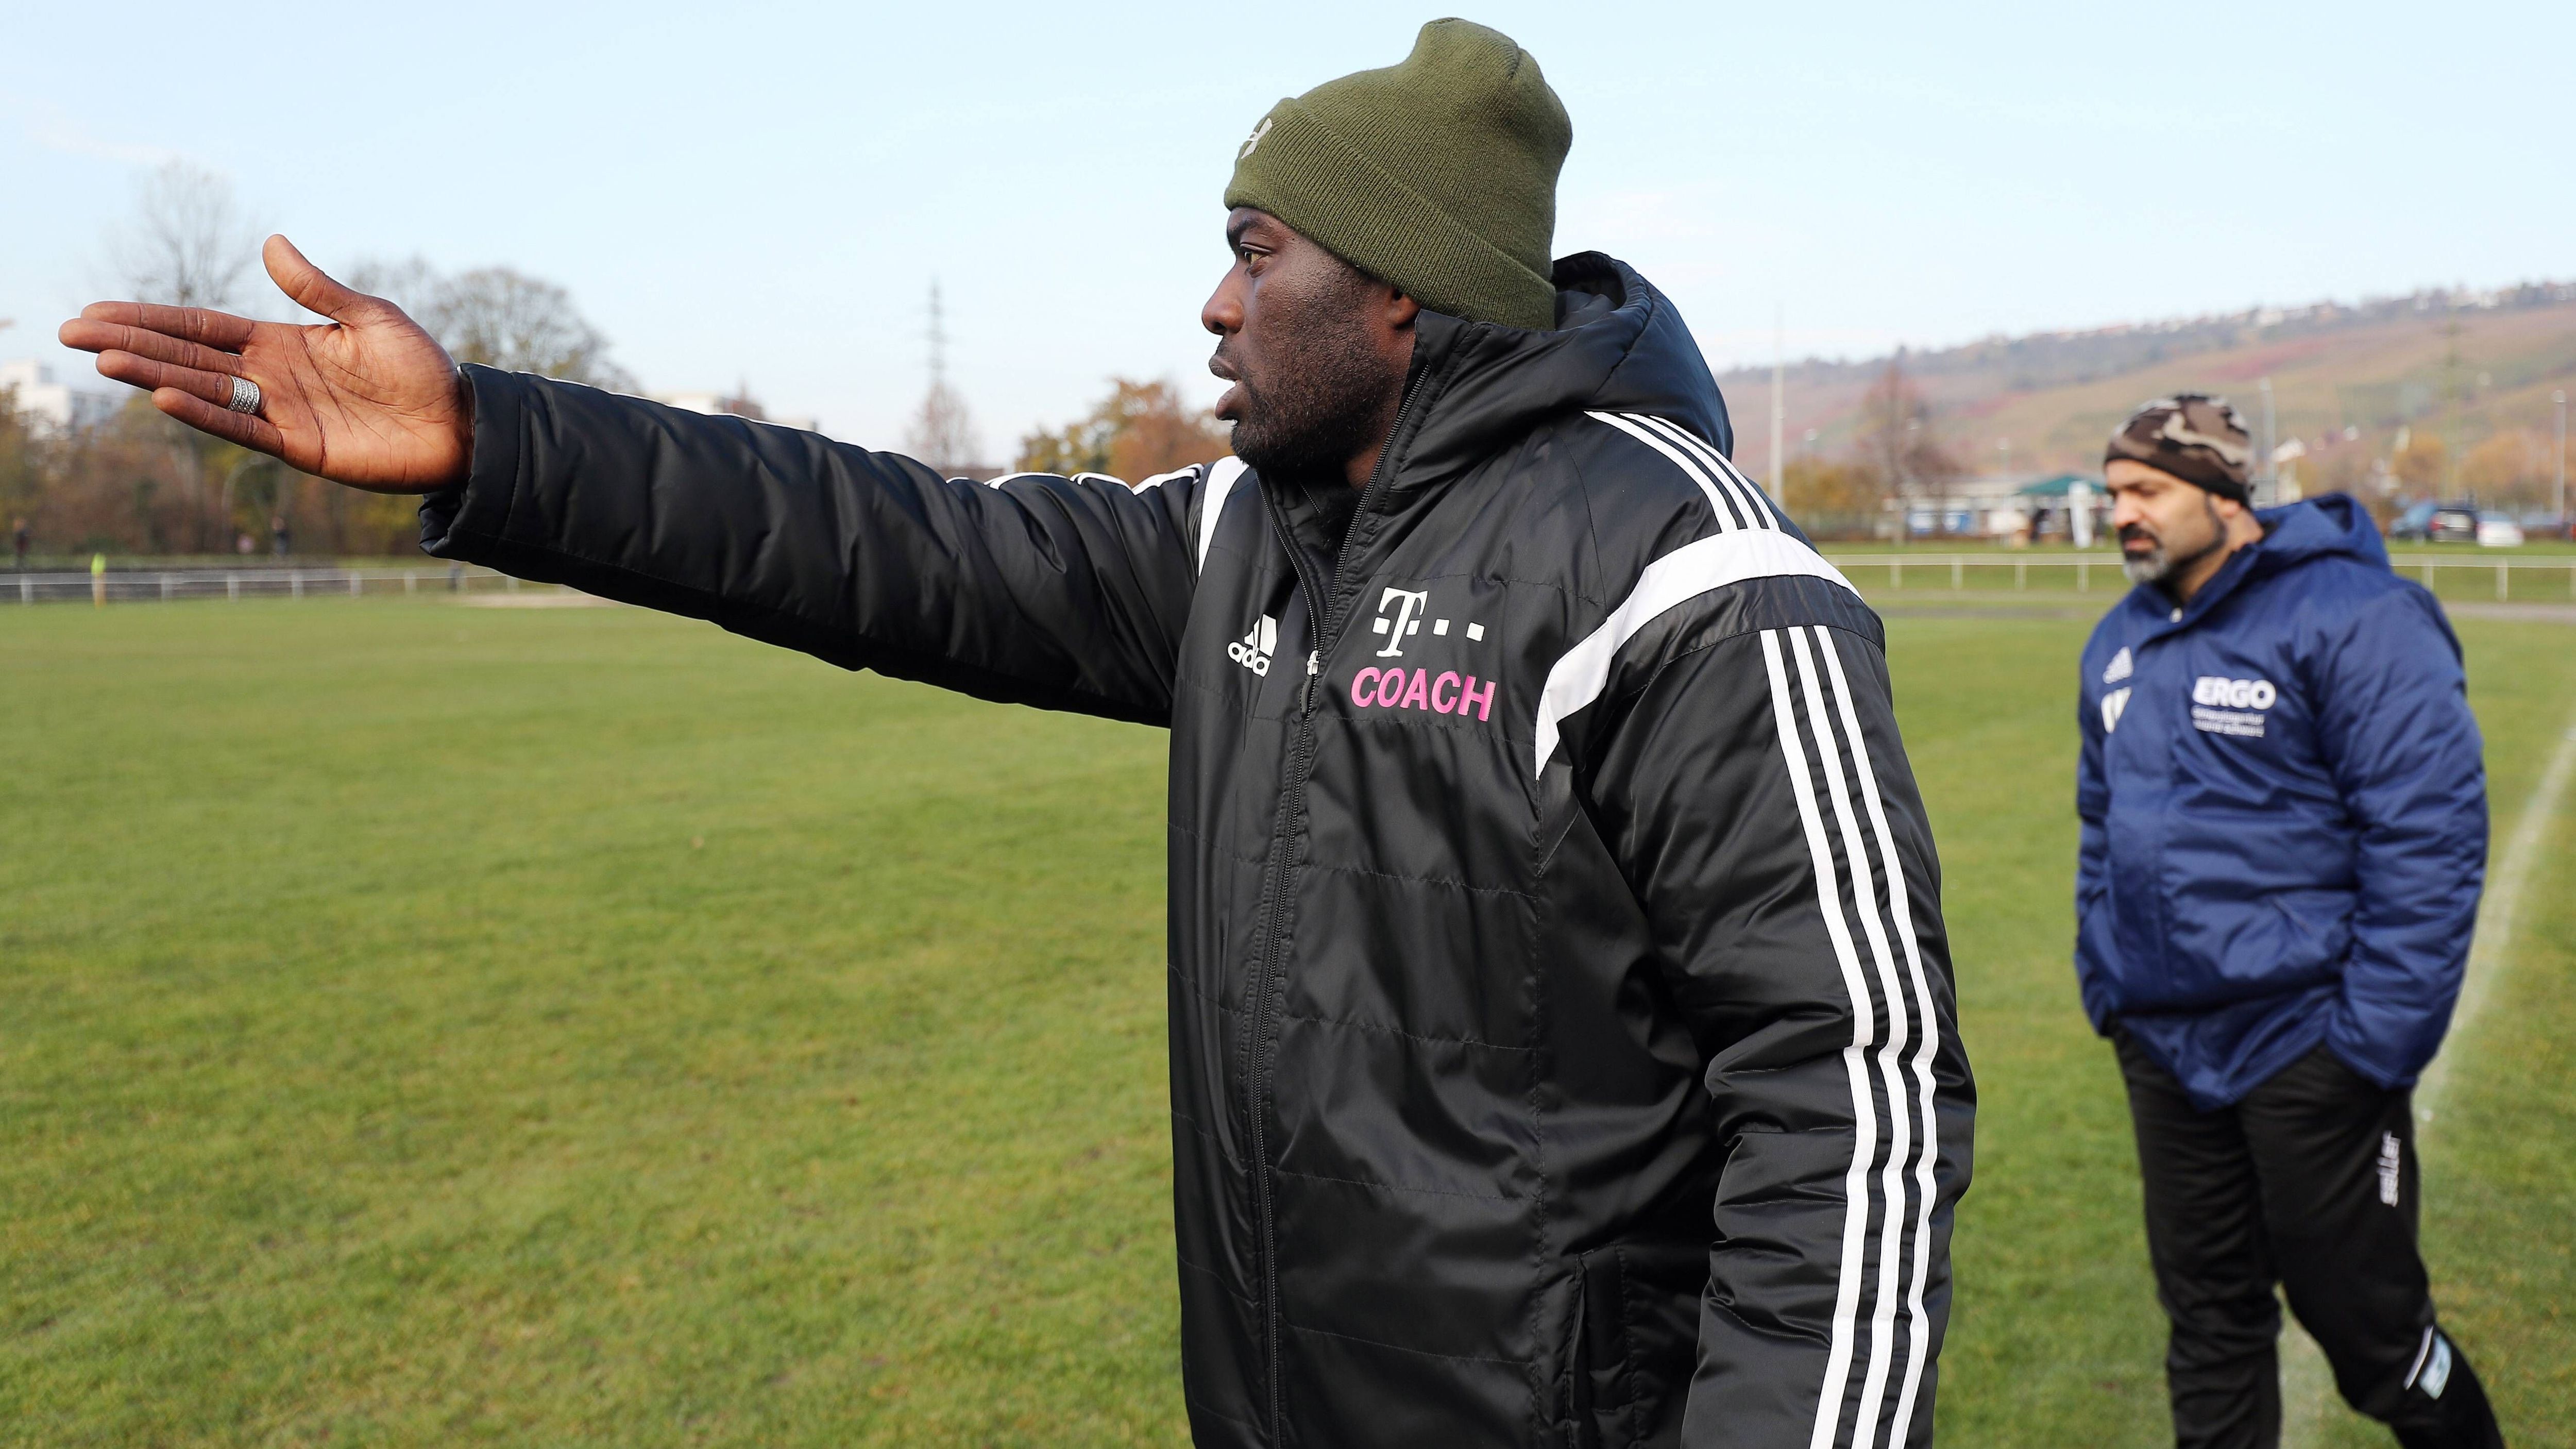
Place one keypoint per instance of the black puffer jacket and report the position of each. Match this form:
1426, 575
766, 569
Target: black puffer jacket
1562, 1036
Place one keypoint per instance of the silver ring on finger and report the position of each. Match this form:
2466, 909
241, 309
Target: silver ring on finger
245, 396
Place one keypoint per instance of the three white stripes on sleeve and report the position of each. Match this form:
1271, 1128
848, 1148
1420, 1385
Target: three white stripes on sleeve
1910, 1021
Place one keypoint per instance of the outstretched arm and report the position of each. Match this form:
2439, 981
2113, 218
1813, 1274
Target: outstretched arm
1056, 592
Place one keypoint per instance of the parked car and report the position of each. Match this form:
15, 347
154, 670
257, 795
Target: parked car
2437, 523
2497, 530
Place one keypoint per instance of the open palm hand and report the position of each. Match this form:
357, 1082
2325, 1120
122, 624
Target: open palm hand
368, 399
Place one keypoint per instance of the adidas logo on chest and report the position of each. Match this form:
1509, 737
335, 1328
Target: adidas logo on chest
1254, 649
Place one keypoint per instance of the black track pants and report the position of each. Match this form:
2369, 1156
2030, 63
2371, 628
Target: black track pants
2308, 1183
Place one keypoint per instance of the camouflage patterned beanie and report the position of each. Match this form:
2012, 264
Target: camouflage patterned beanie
2193, 436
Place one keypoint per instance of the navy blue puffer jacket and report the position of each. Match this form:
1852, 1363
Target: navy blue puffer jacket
2284, 813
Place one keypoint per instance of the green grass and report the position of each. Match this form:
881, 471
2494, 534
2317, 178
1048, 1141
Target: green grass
388, 1060
2056, 1339
432, 1025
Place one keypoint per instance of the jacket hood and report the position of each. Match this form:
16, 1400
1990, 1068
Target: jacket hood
2294, 534
1619, 345
2336, 523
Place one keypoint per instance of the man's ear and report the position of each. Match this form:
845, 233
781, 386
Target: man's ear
1401, 310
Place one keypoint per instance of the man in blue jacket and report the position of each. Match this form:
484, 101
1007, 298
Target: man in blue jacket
2284, 837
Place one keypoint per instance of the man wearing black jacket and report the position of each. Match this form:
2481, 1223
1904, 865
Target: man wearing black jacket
1563, 1046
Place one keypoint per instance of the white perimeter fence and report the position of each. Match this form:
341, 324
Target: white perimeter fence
118, 586
2532, 579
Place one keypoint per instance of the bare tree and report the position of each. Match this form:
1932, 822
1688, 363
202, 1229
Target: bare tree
1898, 446
508, 319
189, 245
498, 317
411, 284
942, 434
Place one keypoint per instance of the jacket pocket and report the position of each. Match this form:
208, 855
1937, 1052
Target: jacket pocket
1595, 1388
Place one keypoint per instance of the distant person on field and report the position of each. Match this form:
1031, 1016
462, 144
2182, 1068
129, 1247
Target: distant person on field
19, 539
1562, 1040
2285, 829
278, 542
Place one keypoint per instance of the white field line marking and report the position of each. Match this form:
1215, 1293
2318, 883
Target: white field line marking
2304, 1379
2497, 914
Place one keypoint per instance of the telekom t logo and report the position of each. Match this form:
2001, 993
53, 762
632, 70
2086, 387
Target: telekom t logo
1409, 604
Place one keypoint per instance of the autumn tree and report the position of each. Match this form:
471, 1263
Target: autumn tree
1139, 430
2418, 460
21, 489
1830, 499
2511, 468
2335, 468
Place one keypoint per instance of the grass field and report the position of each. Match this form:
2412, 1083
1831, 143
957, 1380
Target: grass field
432, 1025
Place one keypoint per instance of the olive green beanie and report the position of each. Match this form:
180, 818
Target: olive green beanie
1436, 176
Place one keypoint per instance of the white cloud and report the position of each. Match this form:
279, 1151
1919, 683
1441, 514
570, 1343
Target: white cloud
52, 128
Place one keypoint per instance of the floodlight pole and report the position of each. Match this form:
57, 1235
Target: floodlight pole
2266, 472
1779, 401
2559, 506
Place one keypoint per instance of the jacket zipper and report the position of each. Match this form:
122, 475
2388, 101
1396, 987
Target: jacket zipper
1292, 807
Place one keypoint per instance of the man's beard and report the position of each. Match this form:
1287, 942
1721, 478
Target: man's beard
1316, 402
2143, 568
2155, 566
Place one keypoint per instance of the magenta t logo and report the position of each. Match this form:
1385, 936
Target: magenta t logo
1409, 604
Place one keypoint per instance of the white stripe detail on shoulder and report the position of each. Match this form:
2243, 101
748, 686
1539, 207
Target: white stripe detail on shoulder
1725, 517
1838, 1354
1157, 481
1678, 577
1745, 487
1732, 482
1221, 478
1900, 911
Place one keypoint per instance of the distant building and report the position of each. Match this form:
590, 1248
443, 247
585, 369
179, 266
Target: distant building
2073, 506
1967, 508
738, 403
50, 406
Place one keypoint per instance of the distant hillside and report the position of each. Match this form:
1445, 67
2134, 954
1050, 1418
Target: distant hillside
2435, 363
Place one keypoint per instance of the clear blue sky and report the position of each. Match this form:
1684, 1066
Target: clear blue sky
764, 192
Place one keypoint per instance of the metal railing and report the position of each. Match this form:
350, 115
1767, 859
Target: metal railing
130, 585
1953, 570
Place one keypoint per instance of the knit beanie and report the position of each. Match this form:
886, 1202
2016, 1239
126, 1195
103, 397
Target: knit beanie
2193, 436
1437, 176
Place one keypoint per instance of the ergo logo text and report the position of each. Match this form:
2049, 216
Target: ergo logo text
2212, 691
